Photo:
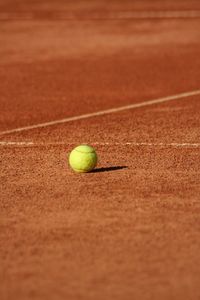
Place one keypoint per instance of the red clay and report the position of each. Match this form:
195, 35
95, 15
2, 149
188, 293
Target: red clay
131, 229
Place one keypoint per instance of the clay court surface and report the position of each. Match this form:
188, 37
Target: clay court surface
122, 76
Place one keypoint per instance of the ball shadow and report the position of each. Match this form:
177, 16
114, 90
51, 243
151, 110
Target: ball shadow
108, 169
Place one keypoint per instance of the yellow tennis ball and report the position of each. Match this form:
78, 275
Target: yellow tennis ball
83, 159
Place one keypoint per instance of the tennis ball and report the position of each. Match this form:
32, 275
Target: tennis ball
83, 159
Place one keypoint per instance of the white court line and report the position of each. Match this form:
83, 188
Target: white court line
103, 112
134, 144
8, 143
